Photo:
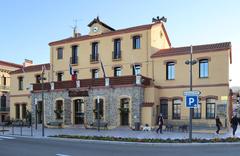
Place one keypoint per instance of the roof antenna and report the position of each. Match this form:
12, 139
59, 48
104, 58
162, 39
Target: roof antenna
75, 33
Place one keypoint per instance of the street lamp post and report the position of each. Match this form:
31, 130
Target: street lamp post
190, 62
42, 85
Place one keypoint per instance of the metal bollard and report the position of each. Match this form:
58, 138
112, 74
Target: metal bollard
31, 130
21, 129
3, 129
12, 129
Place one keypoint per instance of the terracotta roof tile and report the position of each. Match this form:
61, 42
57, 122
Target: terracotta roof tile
10, 64
32, 68
196, 49
116, 32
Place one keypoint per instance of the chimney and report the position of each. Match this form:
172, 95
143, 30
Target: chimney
27, 63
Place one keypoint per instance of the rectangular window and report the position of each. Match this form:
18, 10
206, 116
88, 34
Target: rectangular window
136, 70
74, 58
24, 111
210, 108
60, 53
60, 76
117, 49
94, 56
136, 42
20, 83
164, 108
197, 112
3, 101
170, 71
38, 78
203, 68
94, 73
17, 111
4, 81
176, 109
117, 71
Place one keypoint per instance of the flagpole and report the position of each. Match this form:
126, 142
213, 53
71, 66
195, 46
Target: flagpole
104, 74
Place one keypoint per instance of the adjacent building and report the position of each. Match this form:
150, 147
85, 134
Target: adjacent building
5, 69
132, 75
20, 88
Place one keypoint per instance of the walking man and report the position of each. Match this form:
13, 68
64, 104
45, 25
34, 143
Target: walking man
160, 123
218, 124
234, 124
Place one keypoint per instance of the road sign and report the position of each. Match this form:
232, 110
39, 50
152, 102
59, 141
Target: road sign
194, 92
192, 101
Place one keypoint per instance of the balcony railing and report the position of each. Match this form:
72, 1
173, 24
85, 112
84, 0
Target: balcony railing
113, 81
4, 109
116, 55
73, 60
94, 58
3, 87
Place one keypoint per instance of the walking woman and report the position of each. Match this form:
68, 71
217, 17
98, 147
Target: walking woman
160, 123
234, 124
218, 124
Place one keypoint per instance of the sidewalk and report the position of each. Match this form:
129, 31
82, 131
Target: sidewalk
123, 132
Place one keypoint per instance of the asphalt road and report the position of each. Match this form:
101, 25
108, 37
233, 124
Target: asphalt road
18, 146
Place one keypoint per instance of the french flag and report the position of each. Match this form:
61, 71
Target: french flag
71, 72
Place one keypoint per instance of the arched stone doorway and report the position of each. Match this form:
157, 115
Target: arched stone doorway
78, 110
124, 111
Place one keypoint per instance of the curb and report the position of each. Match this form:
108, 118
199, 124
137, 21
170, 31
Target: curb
142, 143
126, 143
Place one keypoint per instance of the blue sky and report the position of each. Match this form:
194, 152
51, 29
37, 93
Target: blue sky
28, 26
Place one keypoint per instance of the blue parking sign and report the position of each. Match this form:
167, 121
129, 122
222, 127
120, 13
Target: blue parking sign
192, 101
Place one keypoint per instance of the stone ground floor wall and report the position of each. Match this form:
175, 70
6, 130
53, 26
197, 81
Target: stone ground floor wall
111, 97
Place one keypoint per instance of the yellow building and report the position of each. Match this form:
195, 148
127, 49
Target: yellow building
21, 87
144, 76
5, 69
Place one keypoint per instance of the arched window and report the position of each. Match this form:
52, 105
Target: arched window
99, 107
176, 109
210, 108
59, 109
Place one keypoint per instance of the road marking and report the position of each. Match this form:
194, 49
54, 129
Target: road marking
62, 155
5, 137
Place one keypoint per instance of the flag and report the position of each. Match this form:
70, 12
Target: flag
43, 68
104, 74
23, 69
71, 72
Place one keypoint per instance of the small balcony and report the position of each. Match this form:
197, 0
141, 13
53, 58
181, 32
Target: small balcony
94, 58
4, 109
74, 60
116, 56
4, 88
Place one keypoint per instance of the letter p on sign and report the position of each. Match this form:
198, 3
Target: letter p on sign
191, 101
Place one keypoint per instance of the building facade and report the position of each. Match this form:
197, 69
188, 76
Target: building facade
20, 88
5, 69
132, 75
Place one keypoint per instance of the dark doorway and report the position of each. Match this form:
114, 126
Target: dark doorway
79, 111
39, 112
164, 108
124, 112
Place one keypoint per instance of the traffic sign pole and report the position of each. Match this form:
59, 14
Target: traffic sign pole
191, 109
